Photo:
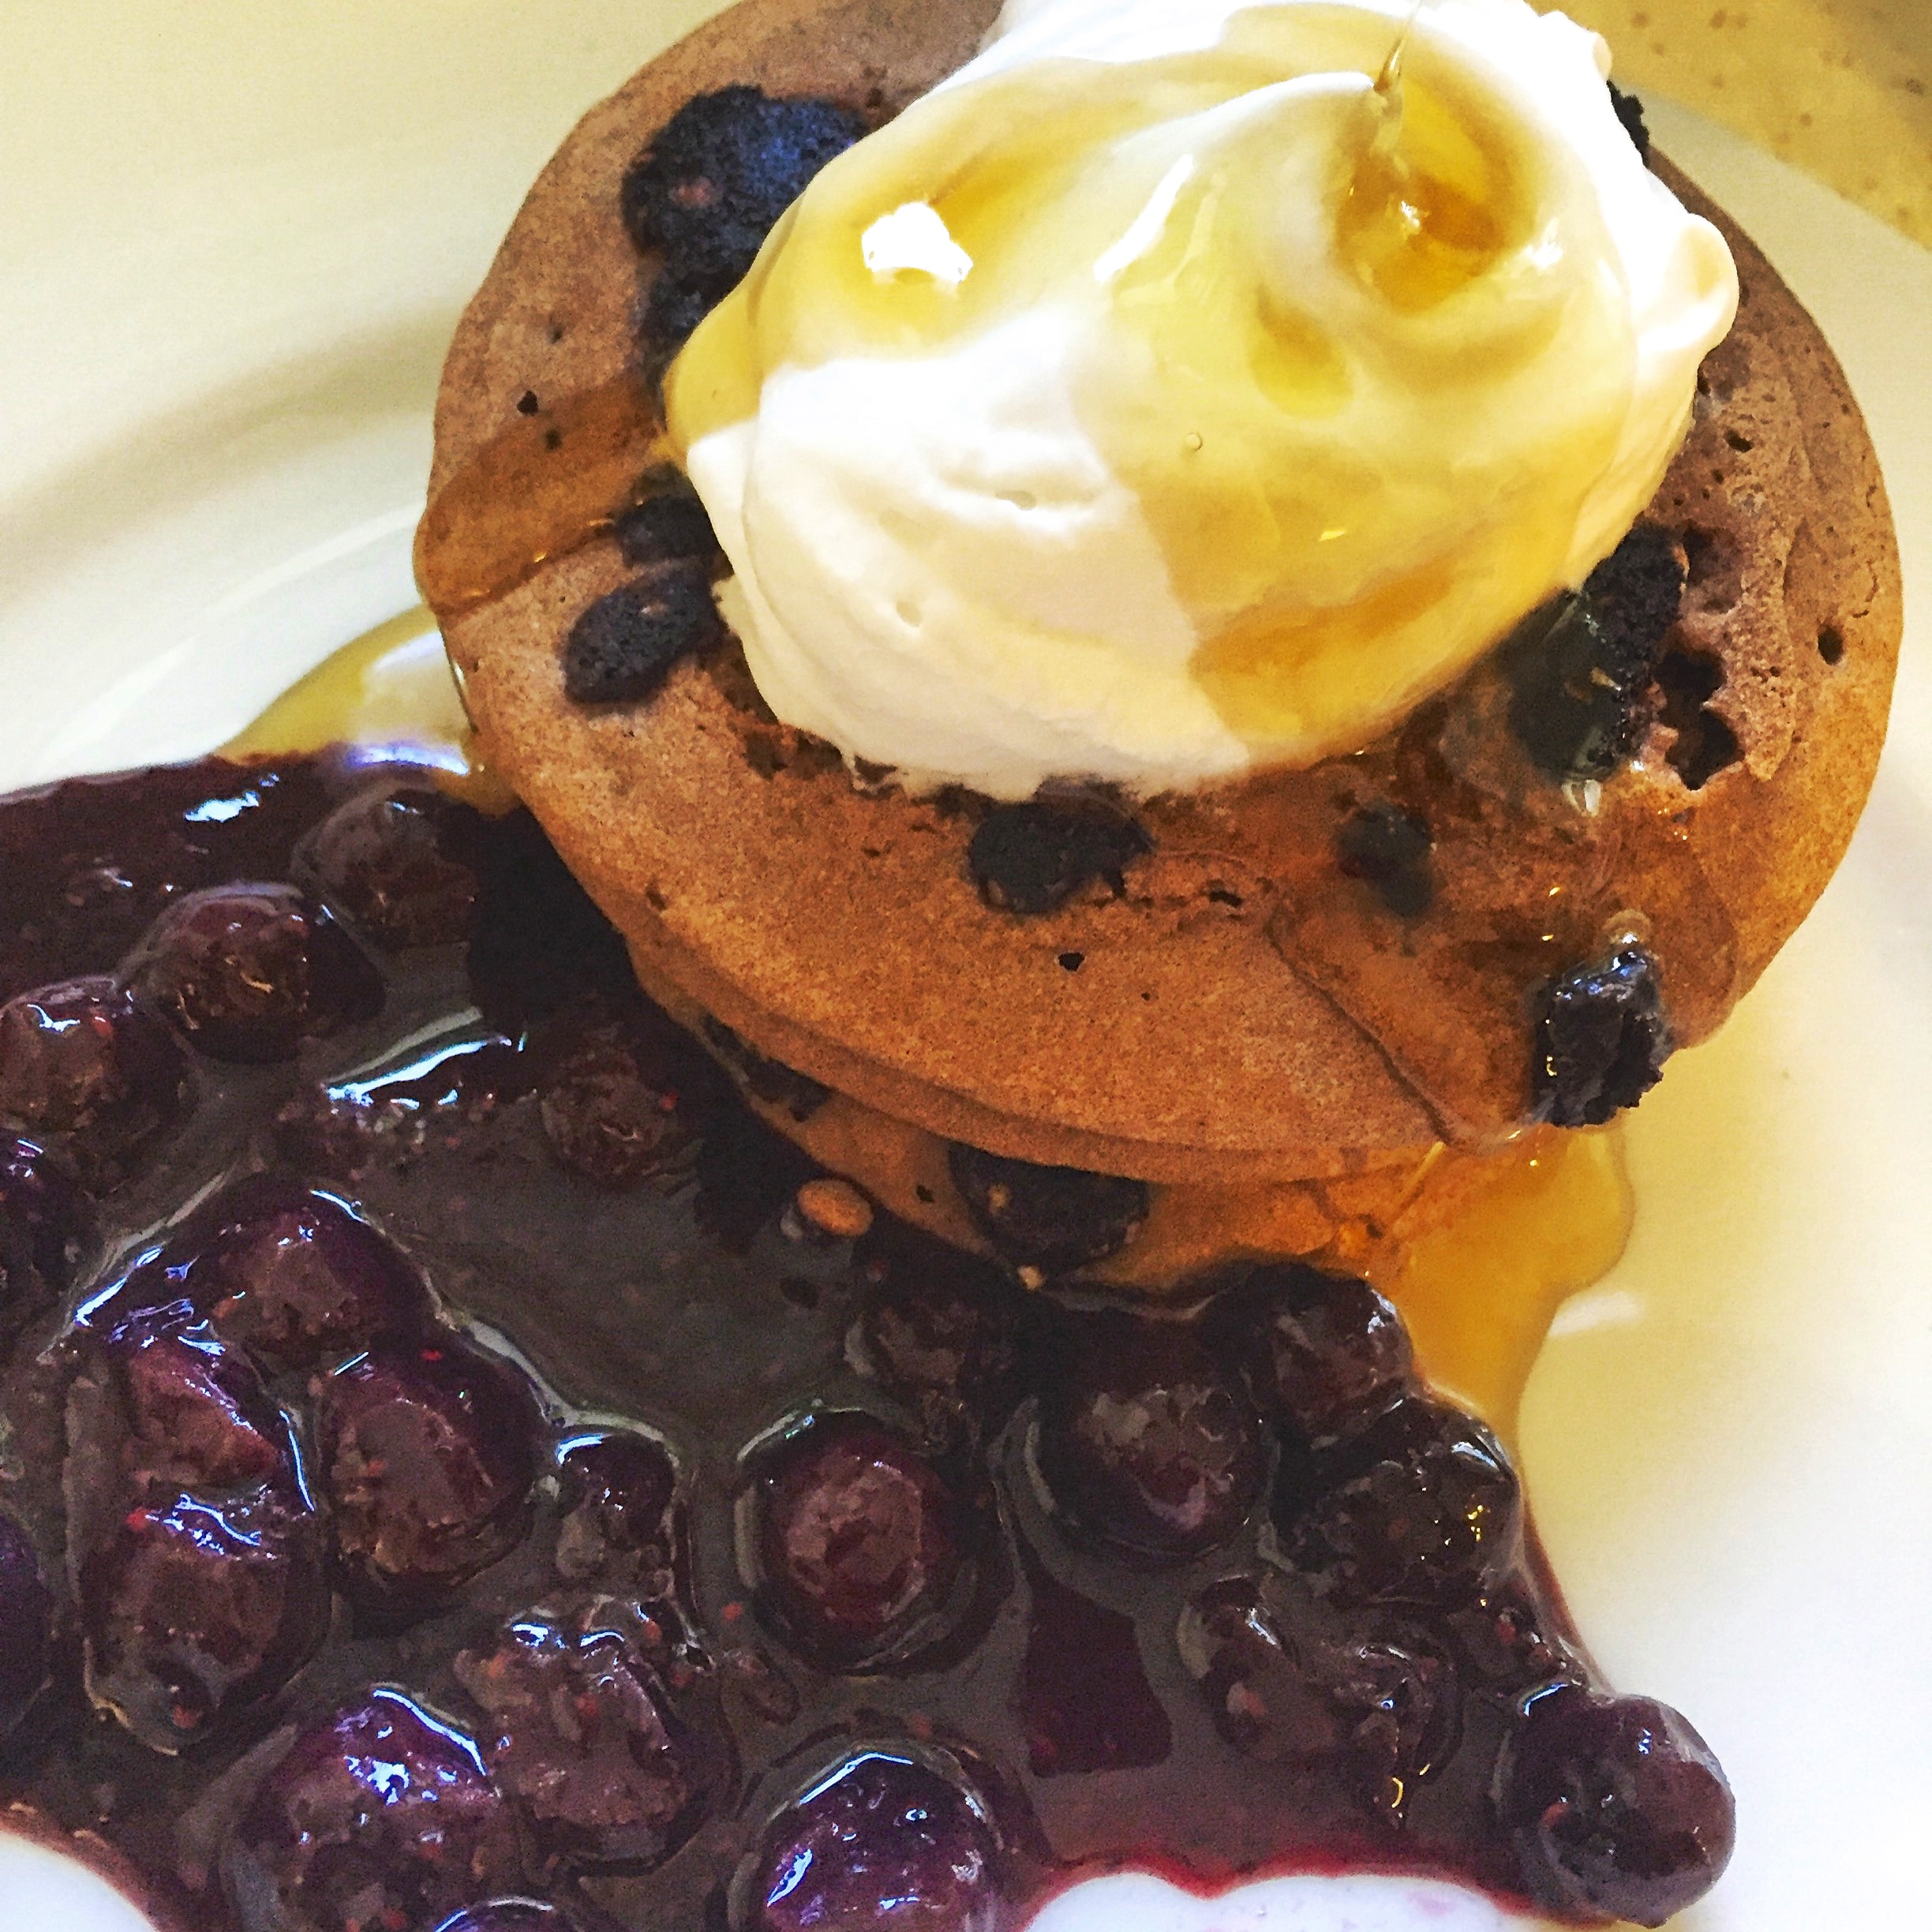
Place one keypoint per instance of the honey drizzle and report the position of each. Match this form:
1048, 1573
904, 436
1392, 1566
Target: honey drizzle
1533, 1231
553, 481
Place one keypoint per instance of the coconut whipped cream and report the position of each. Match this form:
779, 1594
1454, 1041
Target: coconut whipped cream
1185, 386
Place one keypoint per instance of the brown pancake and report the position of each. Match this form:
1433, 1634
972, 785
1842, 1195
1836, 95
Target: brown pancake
1243, 1008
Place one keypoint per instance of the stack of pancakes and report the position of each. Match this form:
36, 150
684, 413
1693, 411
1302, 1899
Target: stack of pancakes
1277, 1014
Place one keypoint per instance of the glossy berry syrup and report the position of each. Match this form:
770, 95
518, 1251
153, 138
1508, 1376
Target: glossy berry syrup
445, 1478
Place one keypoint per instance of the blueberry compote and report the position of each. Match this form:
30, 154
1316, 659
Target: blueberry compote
439, 1477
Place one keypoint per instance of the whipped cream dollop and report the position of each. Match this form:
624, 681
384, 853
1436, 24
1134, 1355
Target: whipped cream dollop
1185, 386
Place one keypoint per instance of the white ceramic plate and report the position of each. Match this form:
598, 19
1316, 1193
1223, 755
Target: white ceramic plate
222, 304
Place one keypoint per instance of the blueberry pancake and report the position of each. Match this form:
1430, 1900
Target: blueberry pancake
1505, 909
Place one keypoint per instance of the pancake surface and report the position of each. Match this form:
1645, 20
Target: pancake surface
1247, 1004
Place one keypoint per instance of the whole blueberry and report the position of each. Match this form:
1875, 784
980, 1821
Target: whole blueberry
857, 1538
1323, 1352
296, 1278
26, 1624
392, 860
882, 1845
427, 1461
245, 972
79, 1063
380, 1815
1614, 1805
1420, 1506
1146, 1442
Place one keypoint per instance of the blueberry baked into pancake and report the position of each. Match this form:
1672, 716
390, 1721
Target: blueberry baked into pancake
1151, 655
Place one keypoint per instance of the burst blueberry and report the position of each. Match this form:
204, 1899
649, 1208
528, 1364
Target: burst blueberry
426, 1458
82, 1069
298, 1279
1421, 1507
380, 1815
1322, 1353
580, 1737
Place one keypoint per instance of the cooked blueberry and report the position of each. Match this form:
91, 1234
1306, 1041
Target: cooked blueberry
715, 179
1421, 1507
1509, 1641
882, 1845
298, 1279
616, 1490
426, 1458
26, 1624
1630, 111
611, 1113
195, 1413
858, 1540
194, 1610
624, 646
1033, 858
46, 1225
79, 1063
1578, 667
1373, 1713
937, 1328
578, 1735
1323, 1352
1146, 1443
246, 972
1598, 1040
1614, 1805
1390, 849
1085, 1704
392, 860
380, 1816
1052, 1219
669, 522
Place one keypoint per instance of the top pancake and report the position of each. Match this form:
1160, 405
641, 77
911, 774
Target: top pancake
1242, 1008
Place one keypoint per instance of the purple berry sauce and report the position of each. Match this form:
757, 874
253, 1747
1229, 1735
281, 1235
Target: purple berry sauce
444, 1489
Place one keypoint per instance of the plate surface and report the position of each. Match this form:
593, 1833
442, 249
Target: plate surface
221, 313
